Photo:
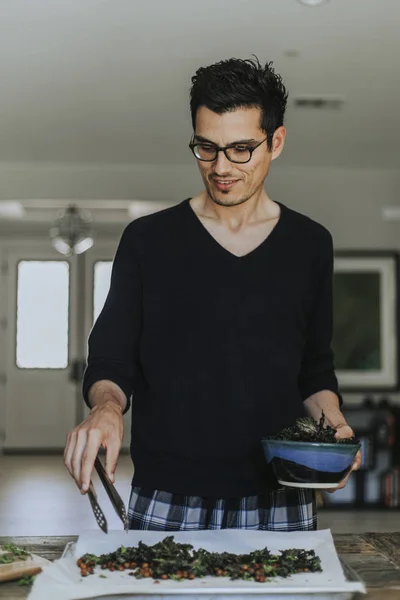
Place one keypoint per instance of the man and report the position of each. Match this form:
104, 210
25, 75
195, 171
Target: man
218, 323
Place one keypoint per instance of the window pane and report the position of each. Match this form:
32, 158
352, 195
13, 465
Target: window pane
102, 278
42, 314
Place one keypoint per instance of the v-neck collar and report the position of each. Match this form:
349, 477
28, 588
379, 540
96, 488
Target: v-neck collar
266, 241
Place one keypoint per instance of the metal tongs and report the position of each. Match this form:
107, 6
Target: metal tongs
115, 498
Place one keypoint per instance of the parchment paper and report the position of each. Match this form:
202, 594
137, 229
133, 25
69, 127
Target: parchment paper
62, 579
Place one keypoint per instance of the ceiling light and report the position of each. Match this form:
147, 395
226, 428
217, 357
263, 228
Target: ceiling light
313, 2
71, 232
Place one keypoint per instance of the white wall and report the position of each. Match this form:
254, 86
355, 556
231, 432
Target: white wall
347, 201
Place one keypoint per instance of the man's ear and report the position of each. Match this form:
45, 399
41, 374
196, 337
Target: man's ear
278, 142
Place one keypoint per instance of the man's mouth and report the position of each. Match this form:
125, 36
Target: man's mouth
225, 184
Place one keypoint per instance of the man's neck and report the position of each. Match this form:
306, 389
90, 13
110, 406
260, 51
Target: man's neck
258, 208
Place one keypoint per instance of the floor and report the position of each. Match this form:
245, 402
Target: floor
38, 497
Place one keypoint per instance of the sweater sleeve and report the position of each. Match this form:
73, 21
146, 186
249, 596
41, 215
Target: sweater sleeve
317, 371
114, 338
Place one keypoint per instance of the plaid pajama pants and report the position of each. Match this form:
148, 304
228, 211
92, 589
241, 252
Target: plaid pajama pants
285, 509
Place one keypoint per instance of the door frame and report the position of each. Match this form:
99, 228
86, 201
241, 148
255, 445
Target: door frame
13, 252
102, 251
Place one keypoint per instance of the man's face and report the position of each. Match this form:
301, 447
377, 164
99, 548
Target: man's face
228, 183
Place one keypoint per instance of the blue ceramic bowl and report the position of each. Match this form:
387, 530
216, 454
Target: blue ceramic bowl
309, 464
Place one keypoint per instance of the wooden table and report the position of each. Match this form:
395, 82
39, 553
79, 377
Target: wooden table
374, 556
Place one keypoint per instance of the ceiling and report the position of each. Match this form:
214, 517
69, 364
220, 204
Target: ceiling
101, 87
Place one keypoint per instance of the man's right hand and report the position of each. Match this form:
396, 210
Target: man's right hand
103, 427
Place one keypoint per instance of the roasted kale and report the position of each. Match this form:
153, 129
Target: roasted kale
307, 430
170, 560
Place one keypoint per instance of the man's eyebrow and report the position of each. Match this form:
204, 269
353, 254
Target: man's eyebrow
200, 138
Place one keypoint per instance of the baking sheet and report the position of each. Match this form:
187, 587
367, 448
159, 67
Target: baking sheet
62, 579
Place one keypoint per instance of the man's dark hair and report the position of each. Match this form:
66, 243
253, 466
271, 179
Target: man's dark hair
235, 83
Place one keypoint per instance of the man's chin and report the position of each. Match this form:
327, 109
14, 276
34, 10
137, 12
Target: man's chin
222, 199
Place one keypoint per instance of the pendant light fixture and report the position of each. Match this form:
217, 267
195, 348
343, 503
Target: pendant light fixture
71, 232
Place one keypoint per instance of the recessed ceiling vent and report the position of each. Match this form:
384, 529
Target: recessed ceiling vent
319, 102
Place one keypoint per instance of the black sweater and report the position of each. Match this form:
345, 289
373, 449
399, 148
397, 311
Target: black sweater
216, 351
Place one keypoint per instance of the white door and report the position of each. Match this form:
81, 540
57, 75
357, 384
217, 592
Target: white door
40, 397
97, 277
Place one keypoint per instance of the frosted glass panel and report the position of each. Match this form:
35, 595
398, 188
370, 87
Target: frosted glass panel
42, 314
102, 278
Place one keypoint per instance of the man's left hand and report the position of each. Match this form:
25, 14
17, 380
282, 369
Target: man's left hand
344, 431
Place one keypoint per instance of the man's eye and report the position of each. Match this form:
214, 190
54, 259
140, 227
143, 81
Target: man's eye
206, 147
241, 148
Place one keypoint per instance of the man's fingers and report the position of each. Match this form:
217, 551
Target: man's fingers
81, 442
69, 451
112, 454
357, 461
67, 443
93, 442
343, 483
333, 490
345, 431
71, 457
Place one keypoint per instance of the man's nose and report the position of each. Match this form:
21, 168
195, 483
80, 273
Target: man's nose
222, 165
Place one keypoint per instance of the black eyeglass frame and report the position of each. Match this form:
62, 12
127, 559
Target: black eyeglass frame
219, 149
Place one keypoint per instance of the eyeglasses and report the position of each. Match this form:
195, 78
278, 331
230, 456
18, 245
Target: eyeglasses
236, 153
